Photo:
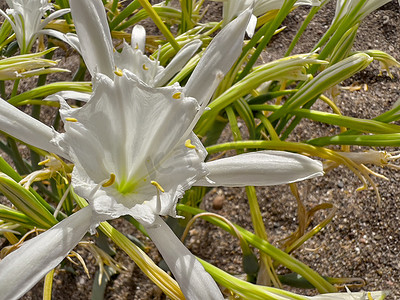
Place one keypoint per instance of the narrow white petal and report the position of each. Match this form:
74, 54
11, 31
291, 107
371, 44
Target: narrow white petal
194, 281
69, 38
23, 268
84, 97
138, 38
350, 296
261, 168
218, 58
94, 35
53, 16
27, 129
178, 62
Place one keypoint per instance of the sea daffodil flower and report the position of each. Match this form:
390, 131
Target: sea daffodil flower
135, 153
27, 21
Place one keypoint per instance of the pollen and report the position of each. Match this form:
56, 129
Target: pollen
136, 46
158, 186
71, 120
144, 67
110, 181
118, 72
42, 163
177, 95
188, 143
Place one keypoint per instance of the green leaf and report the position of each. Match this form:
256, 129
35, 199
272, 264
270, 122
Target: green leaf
26, 202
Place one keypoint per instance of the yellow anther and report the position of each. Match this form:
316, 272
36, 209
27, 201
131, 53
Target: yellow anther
144, 67
157, 185
42, 163
71, 120
118, 72
110, 181
188, 143
136, 46
177, 95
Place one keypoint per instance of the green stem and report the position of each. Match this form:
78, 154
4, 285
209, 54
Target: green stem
283, 12
160, 24
285, 259
124, 14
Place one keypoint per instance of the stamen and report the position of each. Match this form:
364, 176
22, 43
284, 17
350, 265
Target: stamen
71, 120
144, 67
110, 181
42, 163
188, 143
136, 46
158, 186
177, 95
118, 72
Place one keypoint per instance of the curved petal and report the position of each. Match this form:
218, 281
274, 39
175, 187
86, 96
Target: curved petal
261, 168
194, 281
178, 62
23, 268
69, 38
53, 16
218, 58
27, 129
94, 35
351, 296
84, 97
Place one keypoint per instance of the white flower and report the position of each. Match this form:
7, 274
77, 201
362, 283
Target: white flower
135, 153
27, 20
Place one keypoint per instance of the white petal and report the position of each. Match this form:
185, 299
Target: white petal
84, 97
251, 27
137, 63
69, 38
126, 123
138, 38
53, 16
178, 62
94, 35
218, 58
23, 268
27, 129
261, 168
350, 296
194, 281
233, 8
136, 133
